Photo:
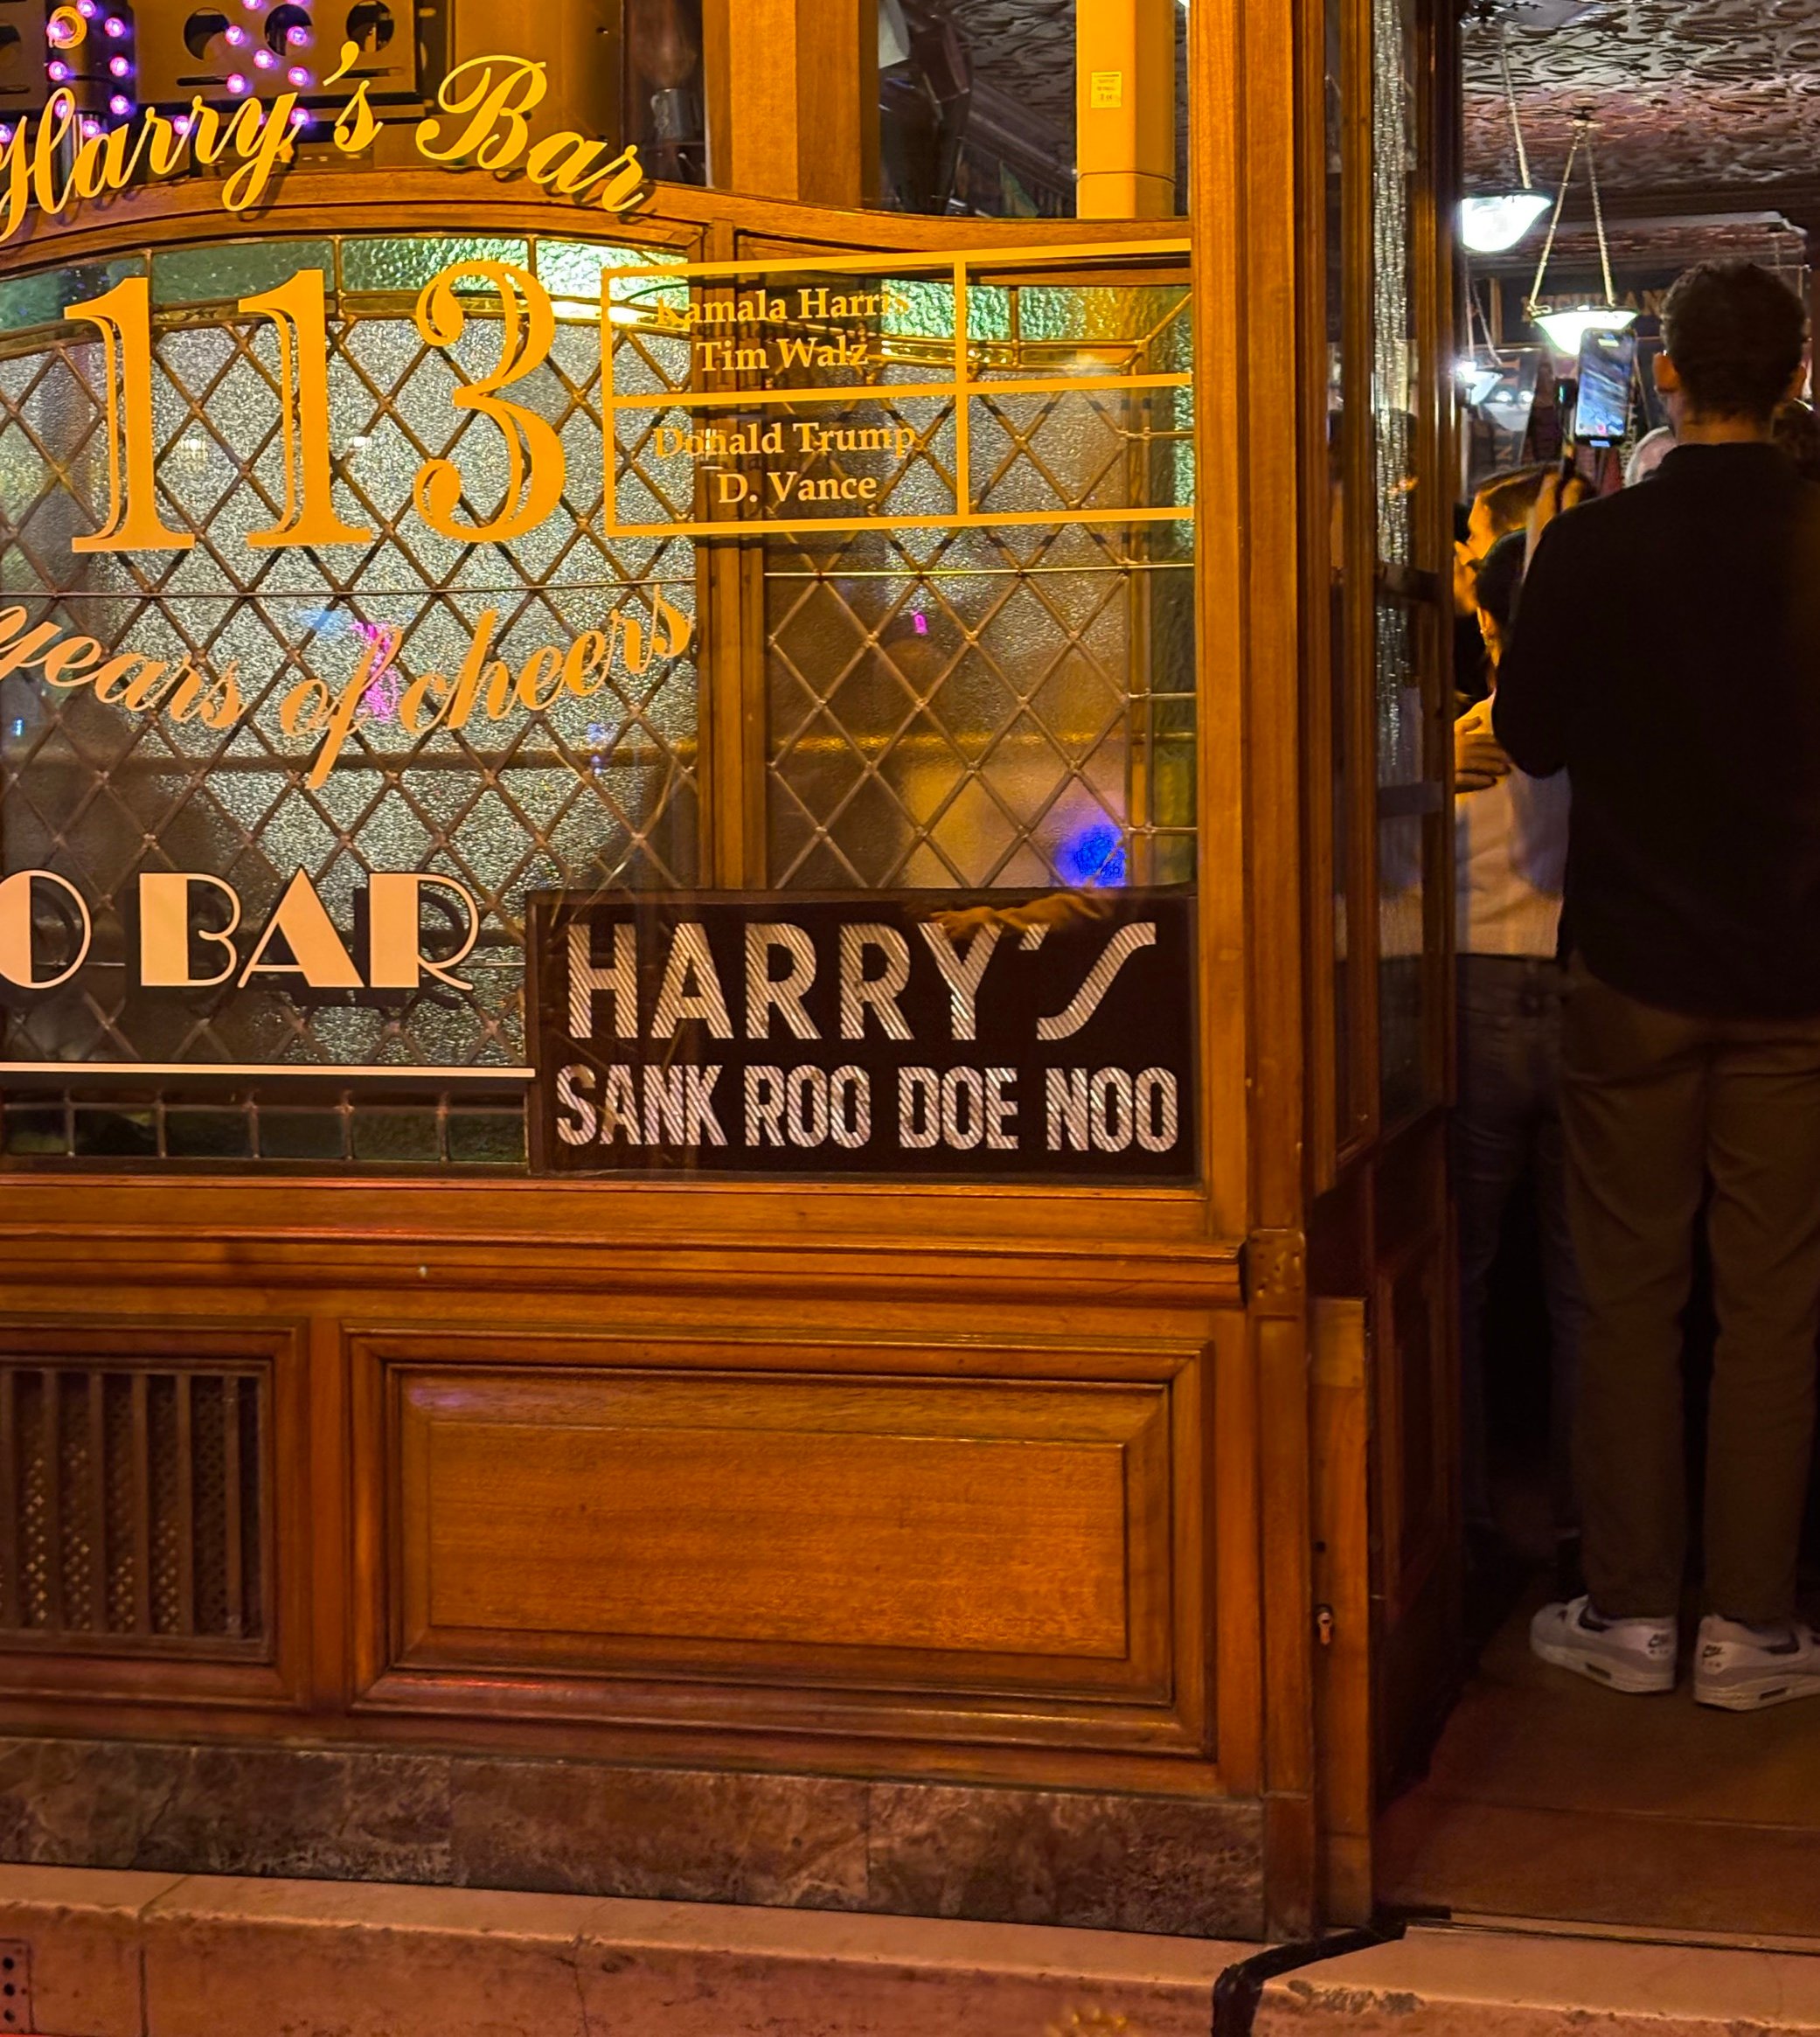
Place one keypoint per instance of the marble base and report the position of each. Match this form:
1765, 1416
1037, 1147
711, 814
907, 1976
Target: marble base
1172, 1866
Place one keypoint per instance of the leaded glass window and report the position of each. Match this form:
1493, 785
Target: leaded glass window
1013, 705
583, 791
1004, 700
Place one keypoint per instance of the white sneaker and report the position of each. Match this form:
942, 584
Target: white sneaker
1737, 1670
1635, 1656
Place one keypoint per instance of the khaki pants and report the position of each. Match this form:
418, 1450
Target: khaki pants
1653, 1103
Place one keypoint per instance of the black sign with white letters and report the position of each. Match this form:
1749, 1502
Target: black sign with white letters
915, 1036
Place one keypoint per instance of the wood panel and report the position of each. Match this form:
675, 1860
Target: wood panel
966, 1524
1166, 1711
800, 78
1340, 1425
1418, 1662
601, 1522
1415, 1407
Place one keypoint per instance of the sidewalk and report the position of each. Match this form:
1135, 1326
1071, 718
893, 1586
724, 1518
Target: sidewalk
1539, 1980
106, 1954
129, 1955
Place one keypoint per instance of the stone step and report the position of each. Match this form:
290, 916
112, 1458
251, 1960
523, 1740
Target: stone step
133, 1955
106, 1954
1459, 1981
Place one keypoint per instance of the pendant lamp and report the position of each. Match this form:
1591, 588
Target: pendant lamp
1565, 329
1489, 224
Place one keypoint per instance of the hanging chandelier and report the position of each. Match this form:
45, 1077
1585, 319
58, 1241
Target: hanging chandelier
1489, 224
1566, 330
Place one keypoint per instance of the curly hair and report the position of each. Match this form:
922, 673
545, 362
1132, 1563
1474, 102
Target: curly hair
1736, 332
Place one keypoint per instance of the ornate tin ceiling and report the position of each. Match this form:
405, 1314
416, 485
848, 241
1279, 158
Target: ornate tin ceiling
1689, 95
1025, 47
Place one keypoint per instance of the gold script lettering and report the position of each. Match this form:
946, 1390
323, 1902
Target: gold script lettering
584, 671
59, 115
75, 655
16, 161
265, 144
481, 119
495, 93
486, 686
568, 163
103, 163
357, 125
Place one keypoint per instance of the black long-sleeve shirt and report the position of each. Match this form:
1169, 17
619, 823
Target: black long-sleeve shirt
1666, 653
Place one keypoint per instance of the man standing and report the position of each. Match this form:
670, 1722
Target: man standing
1667, 654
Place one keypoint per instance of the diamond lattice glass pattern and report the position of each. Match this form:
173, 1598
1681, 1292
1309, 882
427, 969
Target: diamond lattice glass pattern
591, 792
1014, 704
1396, 174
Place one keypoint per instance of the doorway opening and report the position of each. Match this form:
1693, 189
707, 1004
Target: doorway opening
1542, 1795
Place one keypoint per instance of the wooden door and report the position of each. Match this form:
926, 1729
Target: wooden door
1379, 81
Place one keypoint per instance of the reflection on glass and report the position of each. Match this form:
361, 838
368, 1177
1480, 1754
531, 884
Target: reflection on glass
977, 106
665, 109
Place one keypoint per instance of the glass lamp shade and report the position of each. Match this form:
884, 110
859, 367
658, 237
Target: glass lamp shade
1488, 225
1565, 329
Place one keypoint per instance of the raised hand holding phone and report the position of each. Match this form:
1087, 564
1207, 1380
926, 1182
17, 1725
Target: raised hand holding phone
1564, 490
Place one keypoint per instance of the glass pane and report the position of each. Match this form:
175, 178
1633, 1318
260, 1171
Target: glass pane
1404, 839
208, 753
665, 111
40, 299
979, 111
408, 263
1013, 704
1396, 169
1339, 693
226, 272
1408, 838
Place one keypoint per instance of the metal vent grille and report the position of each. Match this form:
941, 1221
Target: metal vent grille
133, 1508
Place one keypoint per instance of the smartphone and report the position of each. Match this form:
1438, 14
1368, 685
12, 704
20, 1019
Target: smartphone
1607, 365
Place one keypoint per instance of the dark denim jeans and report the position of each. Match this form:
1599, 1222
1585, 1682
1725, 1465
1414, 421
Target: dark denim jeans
1508, 1122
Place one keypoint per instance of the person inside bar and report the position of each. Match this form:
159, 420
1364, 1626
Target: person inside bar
1500, 506
1667, 656
1511, 850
